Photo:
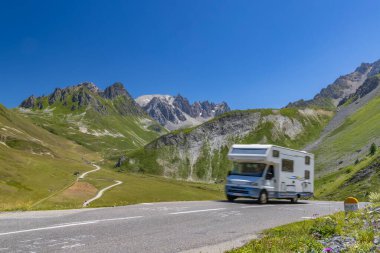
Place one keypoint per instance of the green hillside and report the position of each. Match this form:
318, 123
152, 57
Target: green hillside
200, 153
35, 163
108, 121
353, 136
357, 180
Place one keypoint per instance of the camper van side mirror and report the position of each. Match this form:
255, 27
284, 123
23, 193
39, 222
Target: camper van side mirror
229, 173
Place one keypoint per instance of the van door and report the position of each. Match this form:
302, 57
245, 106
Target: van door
306, 184
270, 181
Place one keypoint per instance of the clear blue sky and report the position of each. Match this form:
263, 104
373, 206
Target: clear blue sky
248, 53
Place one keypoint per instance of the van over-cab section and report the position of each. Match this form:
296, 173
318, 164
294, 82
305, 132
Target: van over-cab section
268, 171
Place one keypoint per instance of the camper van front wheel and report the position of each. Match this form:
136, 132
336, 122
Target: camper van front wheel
263, 198
231, 198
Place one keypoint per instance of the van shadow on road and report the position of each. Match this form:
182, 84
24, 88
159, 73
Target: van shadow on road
270, 202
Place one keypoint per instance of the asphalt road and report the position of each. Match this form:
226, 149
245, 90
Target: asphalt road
197, 226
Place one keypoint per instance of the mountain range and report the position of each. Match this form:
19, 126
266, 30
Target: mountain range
336, 94
174, 112
49, 139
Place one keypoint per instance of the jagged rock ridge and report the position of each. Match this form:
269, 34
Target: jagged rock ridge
343, 87
176, 112
87, 94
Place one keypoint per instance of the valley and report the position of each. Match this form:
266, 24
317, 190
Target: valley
147, 156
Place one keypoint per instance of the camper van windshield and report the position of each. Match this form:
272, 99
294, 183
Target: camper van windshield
249, 169
249, 151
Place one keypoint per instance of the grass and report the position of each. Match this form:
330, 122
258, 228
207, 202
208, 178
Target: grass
34, 163
136, 188
110, 134
356, 132
305, 236
336, 185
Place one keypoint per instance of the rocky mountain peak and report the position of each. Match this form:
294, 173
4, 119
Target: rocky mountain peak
30, 102
363, 68
176, 112
90, 86
343, 87
115, 90
87, 95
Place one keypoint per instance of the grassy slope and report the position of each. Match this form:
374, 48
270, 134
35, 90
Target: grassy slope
357, 131
111, 133
40, 181
137, 188
35, 163
333, 186
146, 160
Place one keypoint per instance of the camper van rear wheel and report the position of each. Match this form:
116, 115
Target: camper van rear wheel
294, 200
263, 197
231, 198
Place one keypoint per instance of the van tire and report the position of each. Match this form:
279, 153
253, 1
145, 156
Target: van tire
263, 198
294, 200
231, 198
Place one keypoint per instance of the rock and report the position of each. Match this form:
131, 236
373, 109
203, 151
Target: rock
338, 92
29, 103
176, 112
338, 243
121, 161
115, 90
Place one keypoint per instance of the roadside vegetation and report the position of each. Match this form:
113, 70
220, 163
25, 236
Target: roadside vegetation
353, 232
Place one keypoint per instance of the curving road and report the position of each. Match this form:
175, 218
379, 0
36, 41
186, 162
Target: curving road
88, 172
100, 193
197, 226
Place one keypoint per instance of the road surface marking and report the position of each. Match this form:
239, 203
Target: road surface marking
68, 225
60, 243
256, 206
307, 218
199, 211
72, 246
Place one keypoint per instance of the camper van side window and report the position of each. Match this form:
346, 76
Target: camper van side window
307, 160
287, 165
276, 153
307, 174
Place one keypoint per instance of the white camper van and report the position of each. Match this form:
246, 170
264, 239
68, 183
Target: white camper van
268, 171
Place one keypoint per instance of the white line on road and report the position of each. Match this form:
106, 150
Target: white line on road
199, 211
256, 206
72, 246
69, 225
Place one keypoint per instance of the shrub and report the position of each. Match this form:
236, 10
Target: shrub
324, 227
374, 197
373, 149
